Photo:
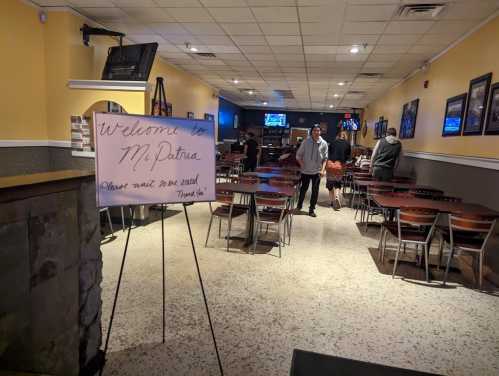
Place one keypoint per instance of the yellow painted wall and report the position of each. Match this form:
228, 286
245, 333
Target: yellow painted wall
54, 53
448, 76
22, 73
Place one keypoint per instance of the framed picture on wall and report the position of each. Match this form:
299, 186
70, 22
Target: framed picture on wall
236, 121
476, 106
454, 113
190, 115
376, 130
492, 126
409, 118
384, 127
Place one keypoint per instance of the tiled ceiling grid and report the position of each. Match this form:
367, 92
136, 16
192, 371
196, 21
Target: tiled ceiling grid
302, 46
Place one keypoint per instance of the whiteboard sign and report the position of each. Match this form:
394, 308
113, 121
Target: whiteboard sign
150, 160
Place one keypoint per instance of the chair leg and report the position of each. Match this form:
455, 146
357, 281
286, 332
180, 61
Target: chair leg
279, 235
219, 227
396, 260
380, 239
122, 219
256, 238
440, 251
384, 247
480, 268
228, 233
110, 223
451, 253
367, 218
208, 234
426, 257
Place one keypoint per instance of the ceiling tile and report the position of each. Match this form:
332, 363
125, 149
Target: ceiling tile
215, 39
242, 29
384, 57
283, 40
398, 39
362, 49
363, 27
408, 27
358, 39
190, 14
232, 14
148, 14
105, 14
178, 3
319, 28
319, 40
259, 49
203, 28
254, 40
351, 57
281, 28
391, 49
222, 48
275, 14
223, 3
287, 49
133, 3
425, 49
447, 27
168, 28
438, 39
320, 49
468, 10
147, 38
370, 12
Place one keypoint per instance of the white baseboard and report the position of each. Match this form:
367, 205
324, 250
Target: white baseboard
488, 163
30, 143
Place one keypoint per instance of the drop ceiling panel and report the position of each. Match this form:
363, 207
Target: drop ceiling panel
302, 45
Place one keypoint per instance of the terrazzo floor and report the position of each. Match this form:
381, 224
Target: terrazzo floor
325, 295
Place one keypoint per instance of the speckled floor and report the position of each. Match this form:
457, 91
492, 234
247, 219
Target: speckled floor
324, 295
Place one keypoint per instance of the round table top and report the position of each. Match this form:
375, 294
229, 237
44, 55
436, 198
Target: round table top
256, 188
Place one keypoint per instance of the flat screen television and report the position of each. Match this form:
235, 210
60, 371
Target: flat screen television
275, 120
351, 124
130, 63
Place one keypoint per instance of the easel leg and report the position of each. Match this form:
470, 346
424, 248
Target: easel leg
116, 294
202, 290
163, 262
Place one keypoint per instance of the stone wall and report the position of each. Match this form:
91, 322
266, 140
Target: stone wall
50, 273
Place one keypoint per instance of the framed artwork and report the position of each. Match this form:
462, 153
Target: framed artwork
236, 121
409, 117
454, 113
190, 115
364, 129
376, 130
209, 116
492, 126
384, 127
478, 94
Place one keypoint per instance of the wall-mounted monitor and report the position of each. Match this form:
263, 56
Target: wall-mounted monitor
275, 120
351, 124
130, 63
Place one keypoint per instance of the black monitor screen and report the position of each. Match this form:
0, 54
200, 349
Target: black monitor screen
130, 63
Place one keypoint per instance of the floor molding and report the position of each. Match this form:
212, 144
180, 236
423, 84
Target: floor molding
488, 163
31, 143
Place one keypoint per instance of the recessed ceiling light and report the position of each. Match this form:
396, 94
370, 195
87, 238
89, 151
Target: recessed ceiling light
354, 50
193, 49
331, 106
341, 83
235, 80
264, 103
250, 92
336, 95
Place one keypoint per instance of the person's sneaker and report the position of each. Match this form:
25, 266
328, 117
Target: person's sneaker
312, 214
338, 204
298, 207
333, 205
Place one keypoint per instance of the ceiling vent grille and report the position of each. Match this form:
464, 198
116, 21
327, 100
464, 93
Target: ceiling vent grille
204, 54
370, 75
288, 94
356, 92
421, 11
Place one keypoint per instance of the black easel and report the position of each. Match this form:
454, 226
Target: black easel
159, 98
164, 282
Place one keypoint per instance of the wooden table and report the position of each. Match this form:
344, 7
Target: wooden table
401, 186
390, 202
253, 189
270, 175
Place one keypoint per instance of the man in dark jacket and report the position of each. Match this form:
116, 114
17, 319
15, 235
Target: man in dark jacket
386, 155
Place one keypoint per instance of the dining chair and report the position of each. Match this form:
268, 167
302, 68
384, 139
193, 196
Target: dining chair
227, 210
415, 226
276, 216
359, 192
468, 233
291, 202
108, 215
369, 206
426, 192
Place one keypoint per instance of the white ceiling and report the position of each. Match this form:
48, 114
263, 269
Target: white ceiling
297, 45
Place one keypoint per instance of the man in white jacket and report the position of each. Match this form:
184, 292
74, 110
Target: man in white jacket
312, 157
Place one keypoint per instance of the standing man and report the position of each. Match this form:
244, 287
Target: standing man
312, 158
386, 156
251, 150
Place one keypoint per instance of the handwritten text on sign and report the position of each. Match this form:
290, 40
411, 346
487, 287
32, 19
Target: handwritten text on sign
148, 160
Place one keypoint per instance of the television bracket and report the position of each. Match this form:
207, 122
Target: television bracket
87, 31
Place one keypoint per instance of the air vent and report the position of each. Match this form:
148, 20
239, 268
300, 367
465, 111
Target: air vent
355, 92
204, 54
288, 94
420, 11
370, 75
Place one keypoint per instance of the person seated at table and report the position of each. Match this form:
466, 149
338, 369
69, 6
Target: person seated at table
252, 151
339, 153
312, 157
386, 156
